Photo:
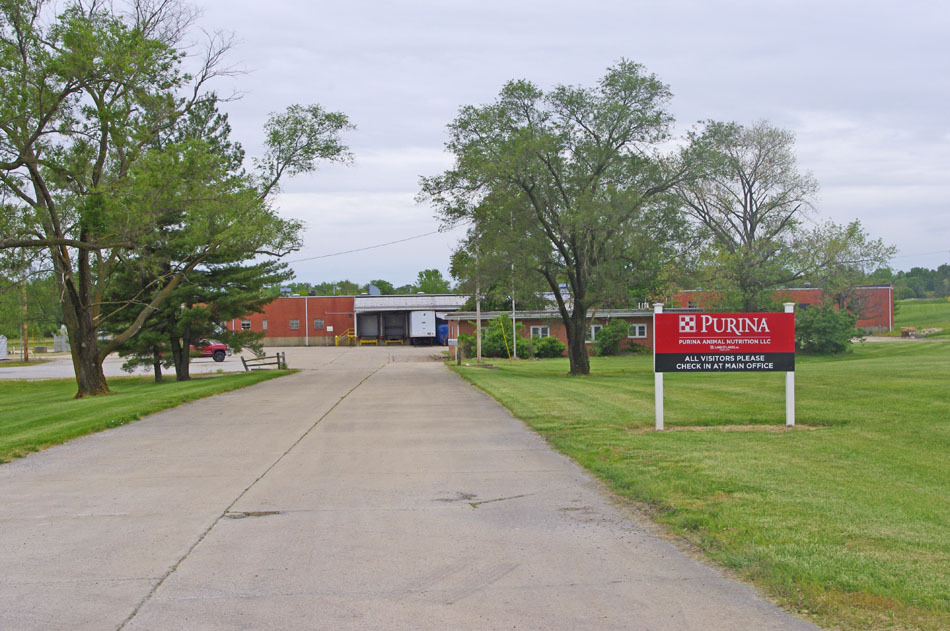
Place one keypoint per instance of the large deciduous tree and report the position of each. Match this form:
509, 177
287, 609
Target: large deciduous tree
751, 202
90, 99
577, 172
754, 205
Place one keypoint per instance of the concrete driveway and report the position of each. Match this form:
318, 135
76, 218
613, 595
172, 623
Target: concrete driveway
373, 490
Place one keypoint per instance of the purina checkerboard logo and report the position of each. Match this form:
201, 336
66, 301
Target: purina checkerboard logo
688, 324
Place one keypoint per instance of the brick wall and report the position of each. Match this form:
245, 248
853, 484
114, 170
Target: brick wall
874, 304
336, 312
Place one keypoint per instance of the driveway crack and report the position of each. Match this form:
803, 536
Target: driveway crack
227, 514
499, 499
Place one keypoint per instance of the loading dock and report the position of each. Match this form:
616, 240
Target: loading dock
386, 319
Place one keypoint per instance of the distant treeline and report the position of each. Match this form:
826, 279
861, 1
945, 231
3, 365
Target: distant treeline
919, 282
428, 281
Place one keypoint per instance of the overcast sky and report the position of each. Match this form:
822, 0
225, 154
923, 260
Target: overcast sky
865, 86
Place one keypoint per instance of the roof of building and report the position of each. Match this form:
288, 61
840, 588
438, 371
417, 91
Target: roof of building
552, 313
709, 291
408, 302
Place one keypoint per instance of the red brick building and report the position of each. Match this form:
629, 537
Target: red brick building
874, 304
320, 320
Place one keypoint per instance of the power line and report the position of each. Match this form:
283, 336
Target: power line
426, 234
369, 247
907, 256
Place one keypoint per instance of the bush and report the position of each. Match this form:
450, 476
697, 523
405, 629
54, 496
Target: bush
608, 338
497, 339
824, 331
467, 344
548, 347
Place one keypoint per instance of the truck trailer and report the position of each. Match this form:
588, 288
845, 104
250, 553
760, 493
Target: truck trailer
422, 327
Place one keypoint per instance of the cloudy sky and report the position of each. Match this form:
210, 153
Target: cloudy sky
865, 86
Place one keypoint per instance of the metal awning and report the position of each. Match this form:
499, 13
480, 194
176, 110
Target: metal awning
408, 302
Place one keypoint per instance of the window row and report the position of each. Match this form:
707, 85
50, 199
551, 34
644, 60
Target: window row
635, 331
318, 323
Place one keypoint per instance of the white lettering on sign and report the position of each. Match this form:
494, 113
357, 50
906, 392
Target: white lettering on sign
736, 326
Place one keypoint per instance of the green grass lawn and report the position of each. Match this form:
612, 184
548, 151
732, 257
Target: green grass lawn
848, 523
923, 314
39, 414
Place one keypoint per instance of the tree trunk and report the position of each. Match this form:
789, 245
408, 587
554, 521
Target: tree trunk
86, 362
182, 356
83, 346
157, 364
576, 338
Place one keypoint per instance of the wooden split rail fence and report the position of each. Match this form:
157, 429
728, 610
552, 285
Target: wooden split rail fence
278, 361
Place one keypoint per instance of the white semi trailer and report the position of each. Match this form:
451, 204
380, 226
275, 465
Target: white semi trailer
422, 327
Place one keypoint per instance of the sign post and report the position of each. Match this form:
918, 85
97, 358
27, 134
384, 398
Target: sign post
790, 380
657, 375
724, 342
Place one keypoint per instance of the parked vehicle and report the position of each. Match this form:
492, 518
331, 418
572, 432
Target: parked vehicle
422, 327
214, 350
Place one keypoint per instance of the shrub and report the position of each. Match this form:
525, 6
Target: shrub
609, 338
548, 347
497, 340
637, 349
467, 344
825, 331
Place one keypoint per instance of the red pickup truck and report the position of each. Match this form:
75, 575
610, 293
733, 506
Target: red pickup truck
204, 348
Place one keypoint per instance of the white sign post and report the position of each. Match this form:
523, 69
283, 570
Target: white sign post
790, 384
657, 376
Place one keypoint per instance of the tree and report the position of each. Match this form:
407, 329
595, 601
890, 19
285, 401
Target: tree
224, 285
843, 257
88, 97
492, 264
210, 295
431, 281
384, 286
753, 203
43, 312
578, 173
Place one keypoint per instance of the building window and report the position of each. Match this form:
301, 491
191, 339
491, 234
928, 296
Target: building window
540, 331
245, 325
294, 324
691, 304
318, 323
637, 330
803, 305
264, 325
593, 331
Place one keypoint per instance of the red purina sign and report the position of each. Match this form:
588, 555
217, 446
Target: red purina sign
724, 342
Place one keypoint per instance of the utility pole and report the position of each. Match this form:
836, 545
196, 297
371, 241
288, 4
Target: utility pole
478, 314
514, 322
514, 329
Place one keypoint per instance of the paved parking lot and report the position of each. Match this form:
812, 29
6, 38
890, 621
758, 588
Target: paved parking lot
60, 366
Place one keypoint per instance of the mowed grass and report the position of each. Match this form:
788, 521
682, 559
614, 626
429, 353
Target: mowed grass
923, 314
845, 520
39, 414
